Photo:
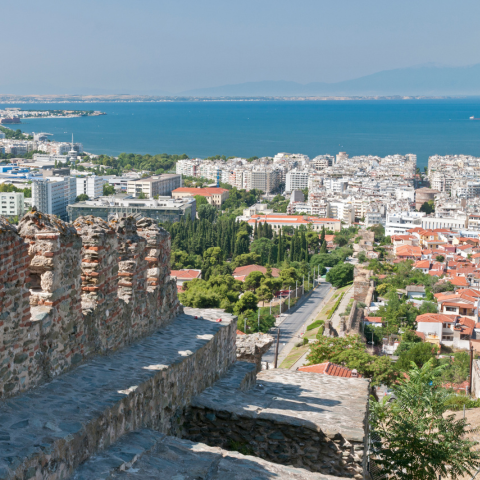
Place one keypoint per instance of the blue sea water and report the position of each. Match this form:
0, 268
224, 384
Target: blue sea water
201, 129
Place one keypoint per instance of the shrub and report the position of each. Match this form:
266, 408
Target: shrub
320, 332
315, 324
305, 340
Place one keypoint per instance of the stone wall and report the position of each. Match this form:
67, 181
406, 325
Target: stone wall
250, 348
306, 420
92, 287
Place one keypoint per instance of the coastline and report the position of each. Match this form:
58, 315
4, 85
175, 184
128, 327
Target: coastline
33, 99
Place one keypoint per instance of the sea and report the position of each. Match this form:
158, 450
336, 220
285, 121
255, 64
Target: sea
264, 128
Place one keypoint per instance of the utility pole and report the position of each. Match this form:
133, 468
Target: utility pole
471, 370
276, 348
245, 327
270, 306
289, 292
303, 286
258, 319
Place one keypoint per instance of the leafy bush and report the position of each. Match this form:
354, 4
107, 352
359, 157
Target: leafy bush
456, 402
320, 332
315, 324
337, 303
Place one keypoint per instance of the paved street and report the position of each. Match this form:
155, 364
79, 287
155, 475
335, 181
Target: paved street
298, 315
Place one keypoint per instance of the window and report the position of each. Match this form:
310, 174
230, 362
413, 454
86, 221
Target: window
451, 309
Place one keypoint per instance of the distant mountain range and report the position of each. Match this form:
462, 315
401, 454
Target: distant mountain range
424, 80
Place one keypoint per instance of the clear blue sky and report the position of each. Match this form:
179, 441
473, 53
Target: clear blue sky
155, 45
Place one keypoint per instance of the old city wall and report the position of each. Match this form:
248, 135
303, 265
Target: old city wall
71, 291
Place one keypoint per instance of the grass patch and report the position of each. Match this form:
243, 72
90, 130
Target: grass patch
315, 324
294, 356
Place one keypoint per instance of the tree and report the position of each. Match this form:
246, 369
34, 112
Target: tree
414, 438
263, 246
428, 207
248, 301
350, 351
323, 248
108, 189
253, 280
264, 293
246, 259
82, 197
340, 275
419, 354
200, 200
440, 258
207, 212
362, 257
142, 195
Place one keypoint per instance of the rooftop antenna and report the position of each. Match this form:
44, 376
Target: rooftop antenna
72, 141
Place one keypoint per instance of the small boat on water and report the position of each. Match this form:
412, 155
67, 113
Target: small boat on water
473, 118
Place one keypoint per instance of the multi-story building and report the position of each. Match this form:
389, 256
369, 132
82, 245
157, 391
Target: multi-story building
296, 180
163, 209
52, 195
11, 204
91, 186
214, 195
157, 185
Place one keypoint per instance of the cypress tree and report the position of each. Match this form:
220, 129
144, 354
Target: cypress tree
255, 231
323, 248
322, 236
292, 248
280, 247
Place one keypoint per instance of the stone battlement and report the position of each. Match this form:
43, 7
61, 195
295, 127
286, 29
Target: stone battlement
71, 291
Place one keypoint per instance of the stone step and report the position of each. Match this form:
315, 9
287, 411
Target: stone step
47, 432
303, 419
147, 454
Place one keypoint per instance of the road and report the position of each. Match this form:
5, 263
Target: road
297, 316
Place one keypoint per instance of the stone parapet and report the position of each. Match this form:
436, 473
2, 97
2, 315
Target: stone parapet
48, 432
148, 454
92, 287
306, 420
251, 348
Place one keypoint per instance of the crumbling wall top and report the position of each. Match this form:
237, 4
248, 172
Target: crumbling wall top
89, 225
6, 226
35, 222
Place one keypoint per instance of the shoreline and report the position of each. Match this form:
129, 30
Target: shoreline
45, 99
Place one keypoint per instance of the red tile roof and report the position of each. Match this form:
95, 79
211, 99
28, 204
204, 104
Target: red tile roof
203, 192
186, 274
244, 271
327, 368
374, 319
458, 281
409, 251
422, 264
421, 335
435, 318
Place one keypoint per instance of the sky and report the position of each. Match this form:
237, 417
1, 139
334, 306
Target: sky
158, 46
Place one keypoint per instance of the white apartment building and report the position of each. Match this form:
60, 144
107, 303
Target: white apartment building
373, 217
91, 186
335, 185
296, 180
342, 210
52, 195
161, 185
11, 204
399, 223
455, 223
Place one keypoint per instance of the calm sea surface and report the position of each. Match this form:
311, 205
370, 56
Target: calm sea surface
423, 127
